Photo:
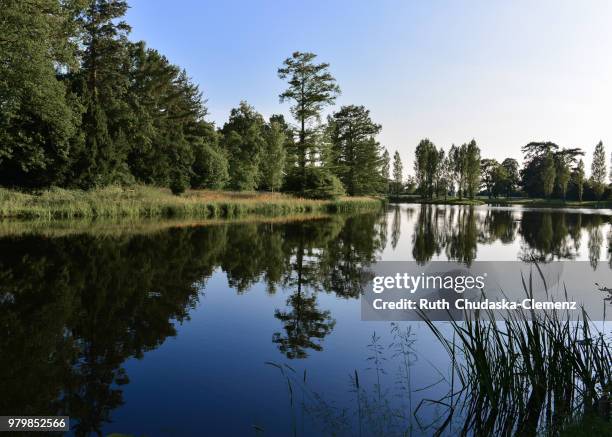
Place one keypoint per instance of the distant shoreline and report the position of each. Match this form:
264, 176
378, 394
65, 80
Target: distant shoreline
152, 202
531, 203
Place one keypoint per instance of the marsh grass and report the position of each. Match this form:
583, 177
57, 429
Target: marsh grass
529, 374
152, 202
532, 373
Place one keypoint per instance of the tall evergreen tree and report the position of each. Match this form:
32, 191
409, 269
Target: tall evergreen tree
103, 84
398, 170
598, 170
168, 129
244, 142
356, 155
311, 88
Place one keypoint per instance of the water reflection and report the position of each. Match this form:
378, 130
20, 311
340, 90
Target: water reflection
74, 309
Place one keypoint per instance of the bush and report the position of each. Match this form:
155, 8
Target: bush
316, 183
178, 183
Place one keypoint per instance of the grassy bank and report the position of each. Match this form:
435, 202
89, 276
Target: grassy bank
151, 202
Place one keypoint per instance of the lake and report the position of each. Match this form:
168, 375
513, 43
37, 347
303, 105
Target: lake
246, 328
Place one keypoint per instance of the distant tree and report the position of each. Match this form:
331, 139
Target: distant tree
272, 163
578, 177
244, 143
490, 174
426, 163
598, 170
385, 169
411, 185
511, 167
398, 170
501, 181
458, 156
564, 160
311, 88
356, 154
472, 168
446, 175
536, 153
548, 174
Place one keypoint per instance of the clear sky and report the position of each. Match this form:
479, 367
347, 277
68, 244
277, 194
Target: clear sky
502, 72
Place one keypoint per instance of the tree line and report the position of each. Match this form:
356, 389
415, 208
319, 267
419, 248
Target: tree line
548, 171
83, 106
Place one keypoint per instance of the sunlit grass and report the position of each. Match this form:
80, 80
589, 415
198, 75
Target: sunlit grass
145, 201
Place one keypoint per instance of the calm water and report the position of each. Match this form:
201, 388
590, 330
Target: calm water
245, 329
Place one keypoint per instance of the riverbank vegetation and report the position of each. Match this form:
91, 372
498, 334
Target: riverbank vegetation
550, 176
149, 202
83, 107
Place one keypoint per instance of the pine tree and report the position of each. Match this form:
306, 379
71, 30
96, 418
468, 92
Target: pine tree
598, 170
103, 84
311, 88
356, 154
244, 143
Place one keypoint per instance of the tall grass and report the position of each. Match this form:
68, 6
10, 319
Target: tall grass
149, 202
531, 373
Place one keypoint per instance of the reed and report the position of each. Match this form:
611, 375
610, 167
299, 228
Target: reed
528, 374
151, 202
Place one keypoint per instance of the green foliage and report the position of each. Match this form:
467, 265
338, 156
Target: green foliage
311, 87
244, 143
314, 183
385, 170
398, 173
274, 154
38, 118
426, 166
598, 170
355, 153
512, 181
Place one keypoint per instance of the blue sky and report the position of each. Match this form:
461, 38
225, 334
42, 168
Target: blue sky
504, 73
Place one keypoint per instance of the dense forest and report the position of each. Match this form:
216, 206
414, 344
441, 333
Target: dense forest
82, 106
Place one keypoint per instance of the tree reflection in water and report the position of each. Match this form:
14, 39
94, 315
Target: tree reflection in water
74, 309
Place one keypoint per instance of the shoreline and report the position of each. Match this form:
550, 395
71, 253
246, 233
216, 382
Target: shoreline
530, 203
145, 202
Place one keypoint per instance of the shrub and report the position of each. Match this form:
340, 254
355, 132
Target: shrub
316, 183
